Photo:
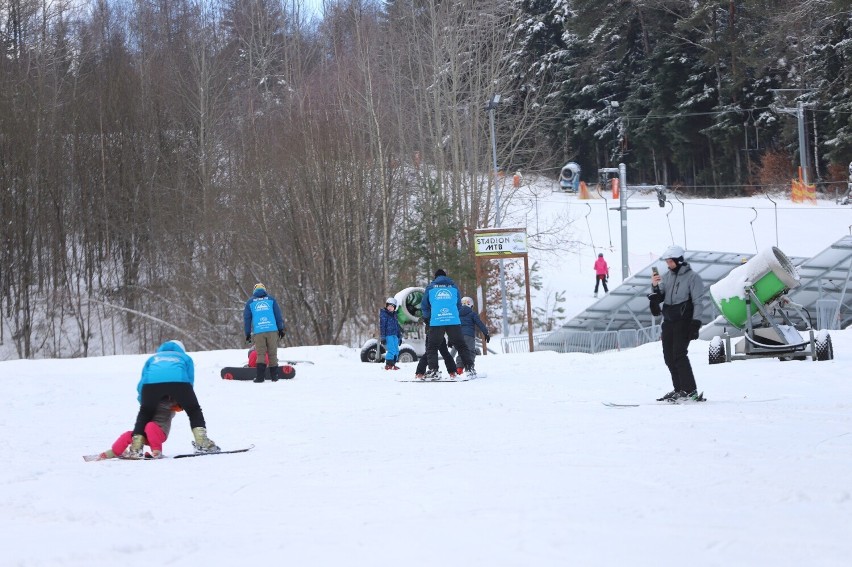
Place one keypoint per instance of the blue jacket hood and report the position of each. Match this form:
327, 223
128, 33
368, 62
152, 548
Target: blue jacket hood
259, 293
175, 346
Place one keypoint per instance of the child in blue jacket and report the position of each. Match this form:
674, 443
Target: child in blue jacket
391, 333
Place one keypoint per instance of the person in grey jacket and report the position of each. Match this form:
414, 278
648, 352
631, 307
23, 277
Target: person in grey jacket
679, 290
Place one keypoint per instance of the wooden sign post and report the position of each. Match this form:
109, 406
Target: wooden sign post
498, 244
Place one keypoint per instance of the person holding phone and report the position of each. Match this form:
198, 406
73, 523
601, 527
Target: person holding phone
675, 294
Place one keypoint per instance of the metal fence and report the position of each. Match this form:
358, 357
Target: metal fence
521, 343
569, 340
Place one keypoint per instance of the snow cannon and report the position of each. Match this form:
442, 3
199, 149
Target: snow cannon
409, 314
769, 275
759, 288
569, 177
408, 300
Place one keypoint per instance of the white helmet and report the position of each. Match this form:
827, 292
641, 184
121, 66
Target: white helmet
672, 252
467, 301
391, 301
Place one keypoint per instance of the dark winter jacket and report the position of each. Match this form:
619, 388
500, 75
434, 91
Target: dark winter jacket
441, 302
389, 325
262, 314
682, 290
469, 318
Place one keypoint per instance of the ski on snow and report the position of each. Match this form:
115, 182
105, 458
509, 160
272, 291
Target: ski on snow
150, 457
686, 401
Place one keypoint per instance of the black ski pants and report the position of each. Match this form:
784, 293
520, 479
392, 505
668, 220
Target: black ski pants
675, 337
454, 337
601, 279
183, 395
445, 354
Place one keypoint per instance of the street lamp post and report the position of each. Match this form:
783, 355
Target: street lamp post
492, 105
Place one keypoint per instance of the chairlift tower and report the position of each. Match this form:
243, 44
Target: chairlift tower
799, 113
621, 170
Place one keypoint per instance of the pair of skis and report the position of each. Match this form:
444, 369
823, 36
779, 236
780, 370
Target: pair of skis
684, 401
150, 457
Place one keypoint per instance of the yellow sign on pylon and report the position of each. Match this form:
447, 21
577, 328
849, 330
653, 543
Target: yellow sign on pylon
801, 192
796, 191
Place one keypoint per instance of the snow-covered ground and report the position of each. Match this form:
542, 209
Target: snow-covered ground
523, 467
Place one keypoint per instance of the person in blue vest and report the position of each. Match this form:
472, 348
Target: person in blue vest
169, 373
440, 305
469, 322
262, 320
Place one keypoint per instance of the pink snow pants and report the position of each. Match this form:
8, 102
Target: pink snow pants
155, 436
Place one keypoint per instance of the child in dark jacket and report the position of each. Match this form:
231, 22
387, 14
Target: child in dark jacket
470, 321
391, 333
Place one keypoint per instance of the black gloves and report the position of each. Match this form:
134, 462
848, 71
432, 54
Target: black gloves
655, 300
248, 338
280, 333
487, 338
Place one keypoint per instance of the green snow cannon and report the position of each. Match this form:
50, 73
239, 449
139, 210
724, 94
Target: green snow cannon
768, 274
409, 310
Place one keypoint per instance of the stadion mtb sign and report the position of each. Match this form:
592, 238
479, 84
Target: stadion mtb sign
500, 242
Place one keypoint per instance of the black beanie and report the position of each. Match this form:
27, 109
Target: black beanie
439, 272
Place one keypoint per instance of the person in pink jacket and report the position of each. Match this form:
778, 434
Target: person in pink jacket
601, 274
156, 432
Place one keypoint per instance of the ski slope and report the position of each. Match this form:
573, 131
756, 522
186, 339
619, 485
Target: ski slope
524, 467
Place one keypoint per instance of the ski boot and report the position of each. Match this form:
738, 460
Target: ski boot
694, 396
419, 376
155, 454
471, 372
459, 371
136, 446
668, 397
433, 375
273, 373
202, 443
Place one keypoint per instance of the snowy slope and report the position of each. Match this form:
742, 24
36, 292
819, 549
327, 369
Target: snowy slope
742, 225
524, 467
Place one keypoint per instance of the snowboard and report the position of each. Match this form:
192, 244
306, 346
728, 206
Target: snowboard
286, 372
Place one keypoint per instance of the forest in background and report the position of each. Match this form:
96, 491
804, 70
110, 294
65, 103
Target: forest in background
159, 157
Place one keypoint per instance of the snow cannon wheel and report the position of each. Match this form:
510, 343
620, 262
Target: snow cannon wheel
716, 352
824, 348
288, 372
407, 354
